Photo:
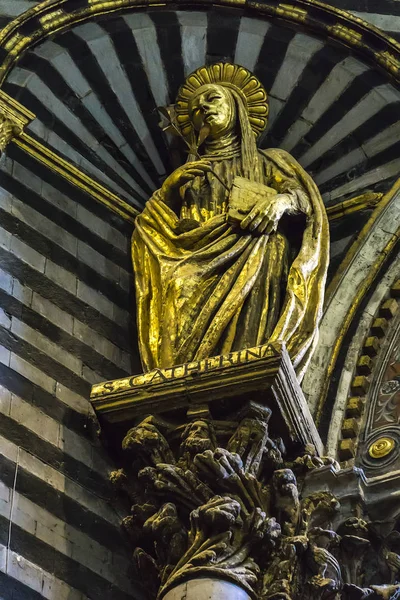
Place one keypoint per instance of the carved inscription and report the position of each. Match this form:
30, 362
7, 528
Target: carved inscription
196, 367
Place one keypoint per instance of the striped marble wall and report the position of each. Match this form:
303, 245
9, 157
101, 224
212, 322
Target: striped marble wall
65, 285
95, 90
64, 323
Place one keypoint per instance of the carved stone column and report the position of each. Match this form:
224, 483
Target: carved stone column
230, 496
206, 589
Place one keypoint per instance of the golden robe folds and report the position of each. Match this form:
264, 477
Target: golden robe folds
215, 289
206, 287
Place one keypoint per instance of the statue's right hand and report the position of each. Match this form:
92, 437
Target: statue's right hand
183, 174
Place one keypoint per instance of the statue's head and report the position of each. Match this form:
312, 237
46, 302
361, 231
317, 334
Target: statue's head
225, 97
227, 93
213, 104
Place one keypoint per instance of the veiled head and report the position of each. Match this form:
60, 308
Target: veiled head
236, 81
213, 104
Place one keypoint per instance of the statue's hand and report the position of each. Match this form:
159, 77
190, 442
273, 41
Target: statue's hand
183, 174
265, 215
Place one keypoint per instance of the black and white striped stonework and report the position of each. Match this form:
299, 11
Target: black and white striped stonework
10, 9
65, 302
65, 283
95, 90
384, 14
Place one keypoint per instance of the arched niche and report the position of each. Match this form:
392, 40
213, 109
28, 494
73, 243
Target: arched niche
95, 72
361, 285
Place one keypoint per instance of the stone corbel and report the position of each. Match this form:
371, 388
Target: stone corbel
231, 497
214, 454
13, 119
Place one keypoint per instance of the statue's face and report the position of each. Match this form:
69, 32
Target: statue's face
214, 105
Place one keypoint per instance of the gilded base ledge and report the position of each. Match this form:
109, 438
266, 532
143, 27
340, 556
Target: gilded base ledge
263, 374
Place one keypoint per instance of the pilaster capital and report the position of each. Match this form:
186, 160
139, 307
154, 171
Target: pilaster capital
14, 117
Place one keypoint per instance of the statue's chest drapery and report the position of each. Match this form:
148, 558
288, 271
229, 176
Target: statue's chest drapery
206, 197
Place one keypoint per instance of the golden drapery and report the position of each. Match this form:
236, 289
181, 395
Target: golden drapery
216, 288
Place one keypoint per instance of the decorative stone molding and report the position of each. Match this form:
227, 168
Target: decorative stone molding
230, 501
13, 119
354, 277
76, 176
347, 207
364, 370
50, 17
350, 357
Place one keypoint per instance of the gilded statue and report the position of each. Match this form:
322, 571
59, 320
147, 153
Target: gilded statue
232, 251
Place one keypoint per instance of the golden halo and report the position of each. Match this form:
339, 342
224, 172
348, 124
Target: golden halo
231, 76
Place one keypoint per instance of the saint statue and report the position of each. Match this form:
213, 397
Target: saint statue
232, 251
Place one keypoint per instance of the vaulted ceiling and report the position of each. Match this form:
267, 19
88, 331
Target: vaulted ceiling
95, 89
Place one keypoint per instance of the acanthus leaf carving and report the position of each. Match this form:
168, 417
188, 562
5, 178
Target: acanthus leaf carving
221, 499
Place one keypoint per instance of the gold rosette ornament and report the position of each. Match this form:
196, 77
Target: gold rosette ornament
381, 447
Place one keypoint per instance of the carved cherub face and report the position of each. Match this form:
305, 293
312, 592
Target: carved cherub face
213, 104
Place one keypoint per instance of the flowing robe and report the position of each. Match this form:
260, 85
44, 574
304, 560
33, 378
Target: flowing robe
215, 288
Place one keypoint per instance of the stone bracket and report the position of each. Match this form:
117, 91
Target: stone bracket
14, 117
263, 374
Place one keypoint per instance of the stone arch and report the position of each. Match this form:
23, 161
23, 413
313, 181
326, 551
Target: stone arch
54, 16
358, 273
